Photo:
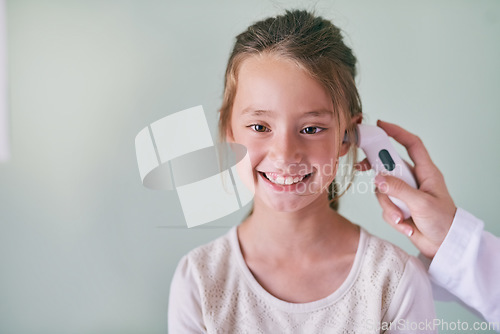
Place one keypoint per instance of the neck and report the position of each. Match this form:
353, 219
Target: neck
300, 234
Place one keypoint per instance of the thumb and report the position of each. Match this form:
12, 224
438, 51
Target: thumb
395, 187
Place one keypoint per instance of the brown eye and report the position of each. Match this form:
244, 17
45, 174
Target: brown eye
310, 130
258, 128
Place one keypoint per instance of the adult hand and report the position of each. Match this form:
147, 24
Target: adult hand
431, 206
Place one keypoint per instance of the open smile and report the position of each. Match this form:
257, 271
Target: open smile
281, 182
284, 180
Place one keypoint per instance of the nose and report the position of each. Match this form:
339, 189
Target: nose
286, 151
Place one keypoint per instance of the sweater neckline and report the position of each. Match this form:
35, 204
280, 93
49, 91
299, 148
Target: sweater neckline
299, 307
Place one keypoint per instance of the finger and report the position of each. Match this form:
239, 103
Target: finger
419, 239
363, 165
405, 227
395, 187
391, 213
410, 166
413, 144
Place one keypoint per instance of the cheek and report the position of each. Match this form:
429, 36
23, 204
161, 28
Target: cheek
326, 159
253, 147
245, 172
245, 167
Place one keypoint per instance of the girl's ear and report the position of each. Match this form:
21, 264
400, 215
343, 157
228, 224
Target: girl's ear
355, 120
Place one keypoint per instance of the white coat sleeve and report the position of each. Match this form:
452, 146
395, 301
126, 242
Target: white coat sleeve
184, 305
467, 265
412, 307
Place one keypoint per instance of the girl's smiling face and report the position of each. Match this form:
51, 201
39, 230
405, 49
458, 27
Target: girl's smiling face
285, 119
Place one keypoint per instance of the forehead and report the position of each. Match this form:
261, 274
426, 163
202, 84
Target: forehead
273, 83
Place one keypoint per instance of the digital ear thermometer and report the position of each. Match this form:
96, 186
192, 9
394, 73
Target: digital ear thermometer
384, 159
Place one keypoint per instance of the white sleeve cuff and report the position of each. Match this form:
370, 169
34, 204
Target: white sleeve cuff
459, 247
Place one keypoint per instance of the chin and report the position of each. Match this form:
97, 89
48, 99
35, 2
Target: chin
290, 205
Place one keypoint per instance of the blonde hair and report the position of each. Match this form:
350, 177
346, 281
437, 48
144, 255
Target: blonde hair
314, 44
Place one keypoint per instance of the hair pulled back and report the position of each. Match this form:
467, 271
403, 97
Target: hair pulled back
314, 44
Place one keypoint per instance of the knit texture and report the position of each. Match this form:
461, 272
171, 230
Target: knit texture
232, 301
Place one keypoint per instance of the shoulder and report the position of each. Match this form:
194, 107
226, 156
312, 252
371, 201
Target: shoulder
384, 266
210, 258
216, 249
384, 257
406, 290
196, 271
399, 278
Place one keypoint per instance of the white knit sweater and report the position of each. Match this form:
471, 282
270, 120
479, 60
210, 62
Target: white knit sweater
213, 291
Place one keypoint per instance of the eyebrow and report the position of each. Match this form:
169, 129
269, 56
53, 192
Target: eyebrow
260, 112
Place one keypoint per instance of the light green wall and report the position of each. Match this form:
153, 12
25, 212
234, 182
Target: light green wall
84, 248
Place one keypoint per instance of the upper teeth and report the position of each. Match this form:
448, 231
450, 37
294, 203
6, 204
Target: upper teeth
285, 180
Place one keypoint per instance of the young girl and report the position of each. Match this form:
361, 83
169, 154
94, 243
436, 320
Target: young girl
294, 265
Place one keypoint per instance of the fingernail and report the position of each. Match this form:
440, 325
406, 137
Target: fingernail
410, 233
396, 218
